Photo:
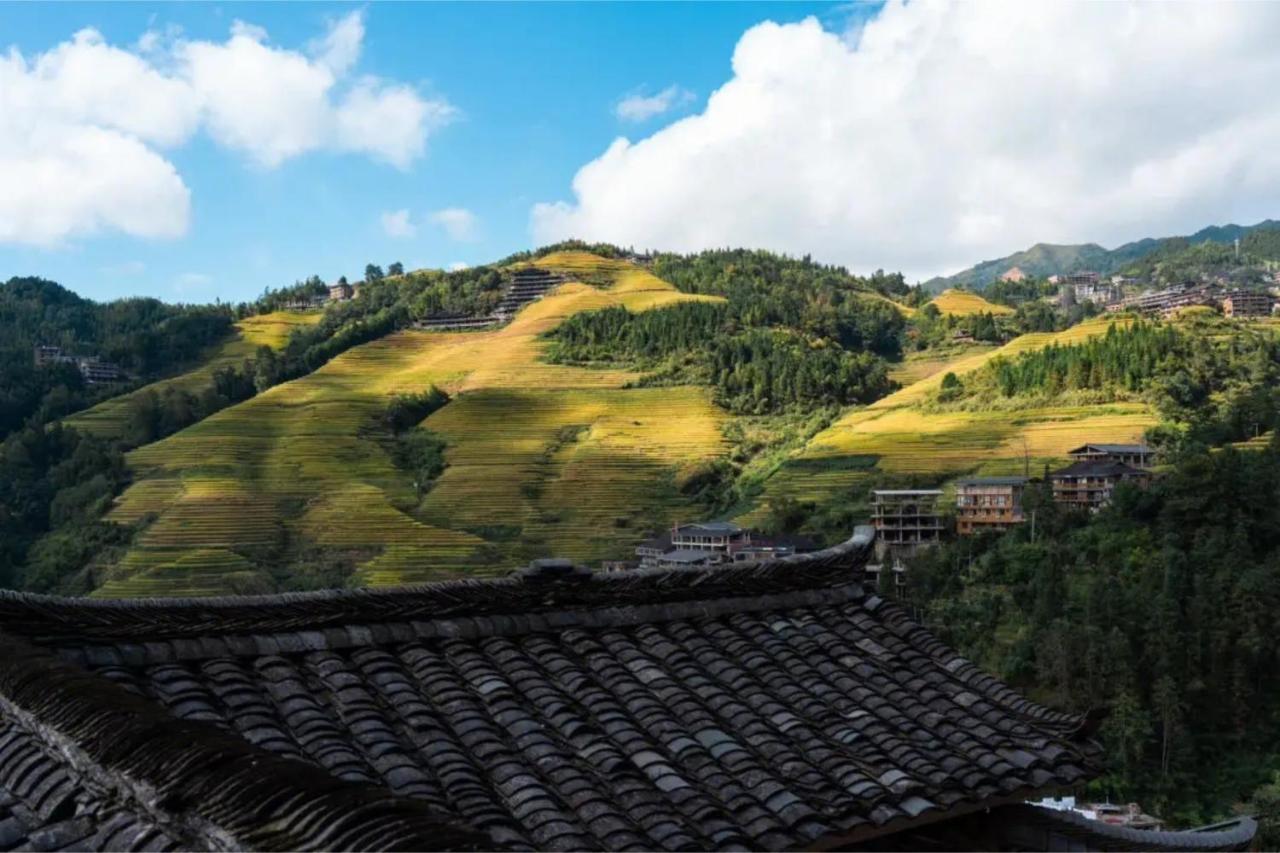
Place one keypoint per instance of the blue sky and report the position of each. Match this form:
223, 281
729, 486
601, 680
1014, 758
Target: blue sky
201, 150
535, 87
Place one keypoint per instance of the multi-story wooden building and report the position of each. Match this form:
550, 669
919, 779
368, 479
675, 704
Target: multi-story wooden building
1089, 484
988, 503
340, 292
1137, 455
906, 520
1247, 303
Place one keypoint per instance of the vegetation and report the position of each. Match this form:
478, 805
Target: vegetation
144, 337
1159, 609
754, 371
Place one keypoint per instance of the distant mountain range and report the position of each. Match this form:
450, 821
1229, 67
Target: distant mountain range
1045, 259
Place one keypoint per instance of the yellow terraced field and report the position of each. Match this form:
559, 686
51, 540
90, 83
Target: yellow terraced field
962, 302
543, 459
895, 435
271, 330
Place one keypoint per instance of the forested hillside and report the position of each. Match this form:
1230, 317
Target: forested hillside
1160, 609
145, 337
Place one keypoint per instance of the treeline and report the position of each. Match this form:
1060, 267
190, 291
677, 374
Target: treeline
1123, 358
1015, 293
55, 484
144, 337
616, 334
820, 301
764, 370
753, 371
1179, 260
1161, 608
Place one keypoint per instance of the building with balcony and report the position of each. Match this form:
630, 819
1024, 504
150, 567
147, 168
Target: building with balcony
906, 520
988, 503
1089, 484
1241, 304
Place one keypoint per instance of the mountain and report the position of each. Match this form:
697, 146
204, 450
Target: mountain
1045, 259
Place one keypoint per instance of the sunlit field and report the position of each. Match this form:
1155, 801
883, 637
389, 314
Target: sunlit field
962, 302
270, 330
543, 459
894, 435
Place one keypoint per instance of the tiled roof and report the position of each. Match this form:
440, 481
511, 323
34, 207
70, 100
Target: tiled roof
992, 481
772, 705
1099, 468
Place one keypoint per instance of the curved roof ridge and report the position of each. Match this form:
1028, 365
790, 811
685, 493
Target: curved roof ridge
45, 616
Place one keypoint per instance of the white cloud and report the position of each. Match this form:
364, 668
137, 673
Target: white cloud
84, 124
637, 107
458, 266
396, 223
940, 134
458, 222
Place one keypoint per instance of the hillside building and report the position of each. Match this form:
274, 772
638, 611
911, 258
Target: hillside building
714, 542
1089, 484
1243, 304
340, 292
1169, 301
1136, 455
1079, 279
988, 503
1099, 292
1013, 274
773, 706
92, 369
906, 520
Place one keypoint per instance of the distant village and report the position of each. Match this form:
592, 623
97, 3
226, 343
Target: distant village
1218, 293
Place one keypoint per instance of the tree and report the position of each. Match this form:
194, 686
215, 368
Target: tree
372, 272
395, 269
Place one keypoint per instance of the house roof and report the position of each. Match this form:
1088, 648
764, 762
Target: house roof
764, 705
1112, 448
992, 481
721, 527
1099, 468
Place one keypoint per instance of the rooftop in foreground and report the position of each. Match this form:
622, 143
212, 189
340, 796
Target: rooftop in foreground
775, 705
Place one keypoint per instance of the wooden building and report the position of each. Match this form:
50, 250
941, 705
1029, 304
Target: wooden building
988, 503
1241, 304
906, 520
340, 292
762, 706
1089, 484
1137, 455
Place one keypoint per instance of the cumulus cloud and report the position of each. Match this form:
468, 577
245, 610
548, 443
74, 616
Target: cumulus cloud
637, 107
458, 222
84, 125
939, 134
396, 223
458, 266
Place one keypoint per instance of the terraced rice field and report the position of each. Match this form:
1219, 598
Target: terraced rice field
894, 435
270, 330
962, 303
543, 459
